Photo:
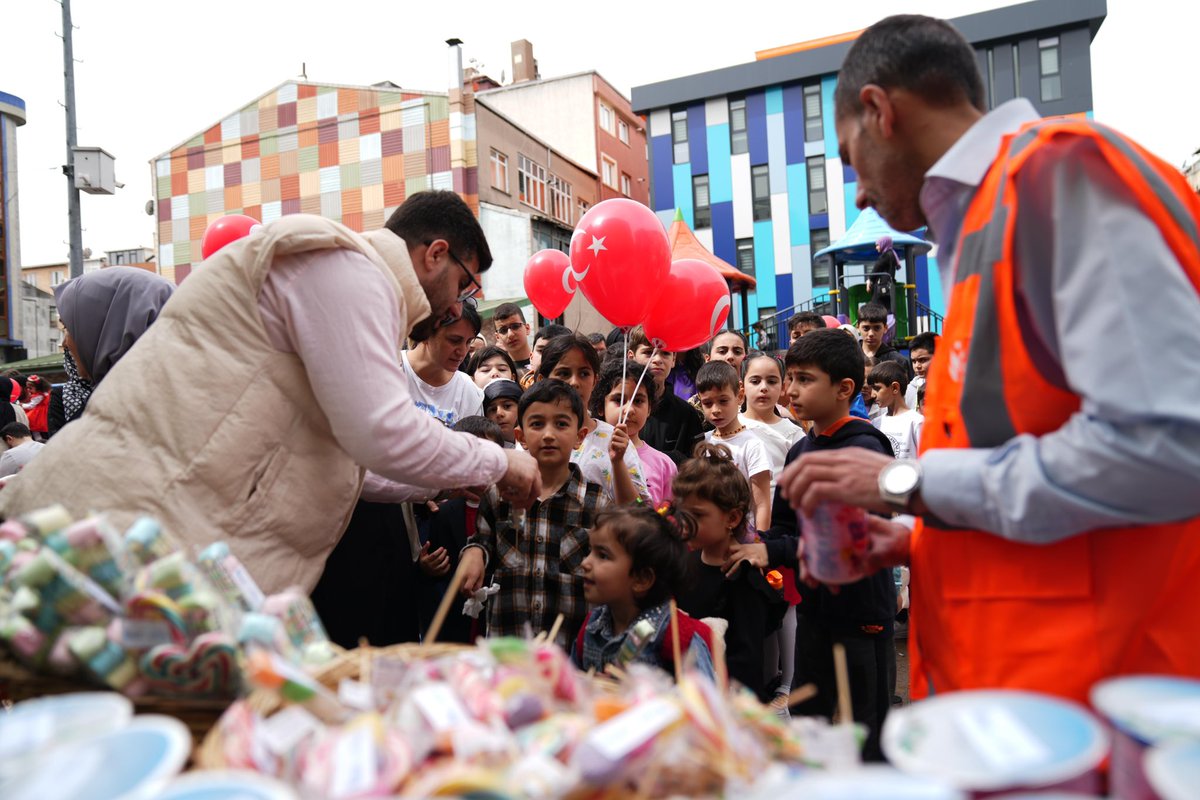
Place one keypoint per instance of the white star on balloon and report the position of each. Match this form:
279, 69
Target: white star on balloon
597, 245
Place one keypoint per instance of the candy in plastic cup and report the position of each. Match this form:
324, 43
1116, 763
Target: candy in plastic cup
835, 542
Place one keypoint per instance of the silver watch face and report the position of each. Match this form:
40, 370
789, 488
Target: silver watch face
900, 479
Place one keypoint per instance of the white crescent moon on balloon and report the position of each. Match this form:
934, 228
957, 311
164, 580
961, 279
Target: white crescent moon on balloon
569, 273
721, 305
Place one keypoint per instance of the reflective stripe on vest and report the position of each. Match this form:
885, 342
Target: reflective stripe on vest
992, 612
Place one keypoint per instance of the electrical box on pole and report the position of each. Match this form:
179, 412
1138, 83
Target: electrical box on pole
94, 172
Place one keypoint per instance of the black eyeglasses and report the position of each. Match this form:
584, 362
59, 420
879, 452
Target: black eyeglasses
469, 292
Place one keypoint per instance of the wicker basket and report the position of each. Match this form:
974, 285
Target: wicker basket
352, 664
18, 682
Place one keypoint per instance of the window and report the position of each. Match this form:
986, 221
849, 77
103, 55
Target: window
607, 118
679, 136
1049, 69
623, 131
701, 203
583, 207
608, 171
738, 142
531, 183
1016, 71
814, 128
745, 255
561, 200
56, 277
819, 239
760, 185
991, 78
31, 280
626, 188
818, 201
500, 171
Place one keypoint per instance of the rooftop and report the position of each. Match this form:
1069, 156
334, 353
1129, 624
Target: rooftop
825, 56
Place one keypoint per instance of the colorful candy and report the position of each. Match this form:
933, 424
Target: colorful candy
230, 577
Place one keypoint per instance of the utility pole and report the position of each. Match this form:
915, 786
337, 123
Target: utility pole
73, 219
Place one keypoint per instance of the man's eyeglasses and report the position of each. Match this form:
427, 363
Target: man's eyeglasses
473, 287
504, 330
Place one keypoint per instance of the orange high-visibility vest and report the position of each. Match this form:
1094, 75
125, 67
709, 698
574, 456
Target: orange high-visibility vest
991, 612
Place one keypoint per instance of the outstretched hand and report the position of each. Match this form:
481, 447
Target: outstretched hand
849, 475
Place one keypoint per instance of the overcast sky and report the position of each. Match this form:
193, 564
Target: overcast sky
154, 72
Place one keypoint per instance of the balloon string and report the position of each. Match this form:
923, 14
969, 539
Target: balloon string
638, 385
624, 366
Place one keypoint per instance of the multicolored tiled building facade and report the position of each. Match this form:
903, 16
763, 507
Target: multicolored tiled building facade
350, 154
749, 153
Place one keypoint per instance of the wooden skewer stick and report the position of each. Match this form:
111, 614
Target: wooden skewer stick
805, 692
550, 637
720, 668
675, 641
845, 709
447, 600
364, 660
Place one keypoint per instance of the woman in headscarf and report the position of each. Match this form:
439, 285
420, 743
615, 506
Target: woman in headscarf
103, 313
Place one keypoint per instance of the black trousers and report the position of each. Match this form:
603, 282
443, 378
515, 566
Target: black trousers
871, 662
370, 586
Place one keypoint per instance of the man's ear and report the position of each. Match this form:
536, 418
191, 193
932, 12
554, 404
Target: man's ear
433, 255
878, 110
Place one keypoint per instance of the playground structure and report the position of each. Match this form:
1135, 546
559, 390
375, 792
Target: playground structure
852, 264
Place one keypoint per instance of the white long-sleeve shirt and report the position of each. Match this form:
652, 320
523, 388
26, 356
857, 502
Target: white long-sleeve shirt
339, 314
1086, 256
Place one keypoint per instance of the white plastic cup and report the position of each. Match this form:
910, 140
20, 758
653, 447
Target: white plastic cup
836, 541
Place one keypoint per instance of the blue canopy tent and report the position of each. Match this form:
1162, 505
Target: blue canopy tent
857, 246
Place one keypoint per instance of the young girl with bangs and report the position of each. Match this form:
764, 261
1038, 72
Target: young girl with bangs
605, 456
712, 490
616, 384
635, 566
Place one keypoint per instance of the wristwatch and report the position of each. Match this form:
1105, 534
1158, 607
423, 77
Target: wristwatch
899, 481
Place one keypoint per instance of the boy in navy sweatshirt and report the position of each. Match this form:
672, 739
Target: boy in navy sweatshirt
824, 373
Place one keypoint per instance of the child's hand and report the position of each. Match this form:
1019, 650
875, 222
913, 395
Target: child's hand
435, 564
618, 444
753, 554
471, 564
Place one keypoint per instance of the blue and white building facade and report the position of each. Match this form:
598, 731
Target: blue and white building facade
749, 153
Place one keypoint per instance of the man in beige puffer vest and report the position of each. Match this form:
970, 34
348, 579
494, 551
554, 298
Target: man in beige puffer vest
248, 412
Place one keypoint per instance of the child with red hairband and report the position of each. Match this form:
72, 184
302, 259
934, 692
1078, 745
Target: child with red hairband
634, 568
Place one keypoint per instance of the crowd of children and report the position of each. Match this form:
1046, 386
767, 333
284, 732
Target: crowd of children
649, 498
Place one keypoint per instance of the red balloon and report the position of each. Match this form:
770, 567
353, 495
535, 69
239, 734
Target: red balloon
619, 257
548, 282
227, 229
691, 309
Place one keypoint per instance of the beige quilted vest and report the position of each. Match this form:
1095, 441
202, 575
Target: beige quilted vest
204, 425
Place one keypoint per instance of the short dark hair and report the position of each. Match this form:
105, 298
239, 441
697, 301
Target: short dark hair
832, 352
16, 430
727, 332
507, 310
608, 377
559, 346
616, 336
597, 338
550, 331
717, 375
481, 427
637, 338
810, 318
872, 312
922, 55
423, 333
491, 351
924, 341
656, 542
550, 392
425, 216
887, 373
